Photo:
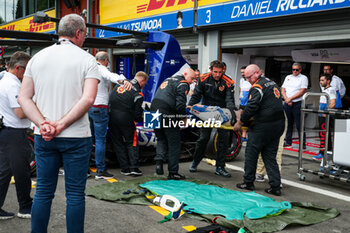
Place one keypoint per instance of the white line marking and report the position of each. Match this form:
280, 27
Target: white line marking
303, 186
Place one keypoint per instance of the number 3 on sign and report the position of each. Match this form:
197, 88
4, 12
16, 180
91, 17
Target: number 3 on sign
208, 12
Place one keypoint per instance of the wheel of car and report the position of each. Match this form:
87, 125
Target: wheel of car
234, 142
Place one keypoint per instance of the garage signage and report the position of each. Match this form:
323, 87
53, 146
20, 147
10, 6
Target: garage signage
322, 55
259, 9
156, 23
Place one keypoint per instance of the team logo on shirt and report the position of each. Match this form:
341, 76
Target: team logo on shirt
121, 90
164, 85
276, 92
221, 88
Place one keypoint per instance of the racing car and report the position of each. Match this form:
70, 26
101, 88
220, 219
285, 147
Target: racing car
148, 142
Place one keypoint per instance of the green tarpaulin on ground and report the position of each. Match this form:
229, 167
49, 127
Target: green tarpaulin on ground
209, 199
129, 191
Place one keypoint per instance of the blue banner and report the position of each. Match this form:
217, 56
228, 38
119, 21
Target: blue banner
156, 23
259, 9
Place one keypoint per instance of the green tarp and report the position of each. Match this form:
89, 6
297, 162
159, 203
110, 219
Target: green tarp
209, 199
129, 191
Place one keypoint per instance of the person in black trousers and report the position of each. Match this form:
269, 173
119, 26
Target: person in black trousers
265, 106
125, 110
170, 101
214, 89
15, 151
293, 89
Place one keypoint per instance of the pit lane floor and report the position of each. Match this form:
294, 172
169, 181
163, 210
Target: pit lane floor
109, 217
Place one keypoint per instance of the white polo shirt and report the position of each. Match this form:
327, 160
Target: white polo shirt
293, 84
103, 86
331, 92
59, 72
9, 89
338, 84
244, 85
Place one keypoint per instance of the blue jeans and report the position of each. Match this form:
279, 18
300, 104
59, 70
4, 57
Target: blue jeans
75, 155
99, 123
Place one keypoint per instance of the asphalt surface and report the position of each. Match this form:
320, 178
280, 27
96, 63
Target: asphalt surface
109, 217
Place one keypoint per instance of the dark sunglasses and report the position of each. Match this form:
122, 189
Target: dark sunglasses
295, 69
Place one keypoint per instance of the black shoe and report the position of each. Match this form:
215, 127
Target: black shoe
274, 191
136, 172
222, 172
194, 166
159, 167
125, 172
304, 147
103, 175
247, 186
6, 215
176, 176
287, 145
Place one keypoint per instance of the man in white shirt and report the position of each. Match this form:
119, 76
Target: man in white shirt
59, 87
293, 88
193, 85
15, 151
98, 113
337, 83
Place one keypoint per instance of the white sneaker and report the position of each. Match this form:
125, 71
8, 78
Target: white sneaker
25, 213
259, 178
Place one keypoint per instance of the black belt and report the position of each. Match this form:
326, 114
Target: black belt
11, 128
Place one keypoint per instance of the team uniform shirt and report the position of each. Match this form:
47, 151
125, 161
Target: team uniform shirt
293, 84
340, 89
332, 94
57, 90
170, 97
9, 89
264, 104
103, 86
214, 93
128, 102
245, 87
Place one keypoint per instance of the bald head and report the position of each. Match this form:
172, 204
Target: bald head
102, 57
189, 75
252, 73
